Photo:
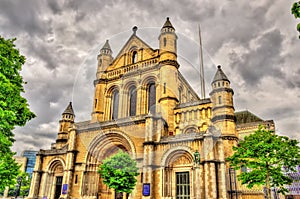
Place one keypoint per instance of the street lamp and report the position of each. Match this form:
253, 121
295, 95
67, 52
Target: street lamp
18, 186
197, 157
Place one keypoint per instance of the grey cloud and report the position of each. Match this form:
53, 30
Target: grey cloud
263, 61
54, 6
23, 17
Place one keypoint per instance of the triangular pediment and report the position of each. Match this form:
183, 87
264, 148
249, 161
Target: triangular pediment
134, 43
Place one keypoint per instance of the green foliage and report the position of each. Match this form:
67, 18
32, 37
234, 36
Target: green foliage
296, 12
14, 110
266, 154
25, 185
119, 172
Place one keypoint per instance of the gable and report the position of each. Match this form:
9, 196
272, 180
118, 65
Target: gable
134, 44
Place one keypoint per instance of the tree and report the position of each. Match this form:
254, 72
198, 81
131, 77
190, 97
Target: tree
296, 12
267, 156
14, 109
118, 172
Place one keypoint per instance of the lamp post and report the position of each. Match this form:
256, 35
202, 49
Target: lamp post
18, 186
197, 157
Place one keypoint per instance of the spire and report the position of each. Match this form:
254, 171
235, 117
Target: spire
220, 75
69, 110
202, 79
168, 24
106, 46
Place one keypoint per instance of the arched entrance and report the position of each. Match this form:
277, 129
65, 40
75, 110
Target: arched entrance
54, 179
177, 174
103, 146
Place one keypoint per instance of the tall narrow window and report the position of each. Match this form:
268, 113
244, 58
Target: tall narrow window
115, 104
134, 57
165, 42
179, 93
132, 101
151, 97
220, 99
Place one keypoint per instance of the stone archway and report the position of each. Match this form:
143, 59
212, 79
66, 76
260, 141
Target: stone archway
53, 179
104, 145
177, 165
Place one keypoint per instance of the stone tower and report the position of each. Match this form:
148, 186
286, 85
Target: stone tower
65, 123
223, 110
104, 59
168, 86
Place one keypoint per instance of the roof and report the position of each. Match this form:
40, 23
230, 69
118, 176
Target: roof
106, 46
220, 75
168, 24
243, 117
69, 109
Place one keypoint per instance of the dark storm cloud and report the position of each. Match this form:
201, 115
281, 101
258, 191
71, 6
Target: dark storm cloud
54, 6
265, 60
23, 17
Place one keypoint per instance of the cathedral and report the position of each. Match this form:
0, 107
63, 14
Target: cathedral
144, 106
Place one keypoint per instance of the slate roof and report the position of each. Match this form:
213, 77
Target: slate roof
220, 75
69, 109
243, 117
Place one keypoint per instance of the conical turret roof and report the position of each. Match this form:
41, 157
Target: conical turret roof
220, 75
69, 109
168, 24
106, 46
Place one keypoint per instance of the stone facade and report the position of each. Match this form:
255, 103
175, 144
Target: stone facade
144, 106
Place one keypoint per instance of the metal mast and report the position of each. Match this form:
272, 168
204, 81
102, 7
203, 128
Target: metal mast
202, 81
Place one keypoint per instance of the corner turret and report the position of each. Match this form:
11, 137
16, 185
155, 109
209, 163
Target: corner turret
222, 104
104, 59
67, 120
168, 42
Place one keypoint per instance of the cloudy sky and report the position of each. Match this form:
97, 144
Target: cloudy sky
256, 43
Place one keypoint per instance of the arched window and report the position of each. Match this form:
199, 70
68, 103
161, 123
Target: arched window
132, 101
134, 57
151, 97
115, 104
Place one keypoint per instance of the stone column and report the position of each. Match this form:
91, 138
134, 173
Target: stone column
36, 177
44, 183
68, 171
222, 173
197, 187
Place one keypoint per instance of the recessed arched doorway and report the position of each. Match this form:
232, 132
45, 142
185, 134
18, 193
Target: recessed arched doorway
177, 174
53, 179
103, 146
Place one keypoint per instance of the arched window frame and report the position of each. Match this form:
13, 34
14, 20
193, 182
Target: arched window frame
151, 93
114, 104
132, 93
134, 56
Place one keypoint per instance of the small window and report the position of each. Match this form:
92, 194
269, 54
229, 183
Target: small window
76, 179
220, 99
165, 85
134, 57
95, 103
165, 42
